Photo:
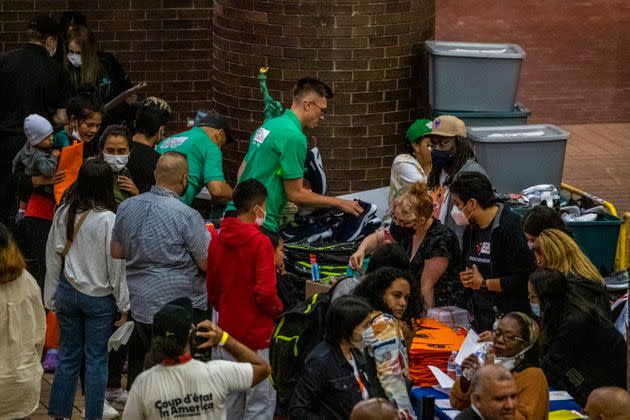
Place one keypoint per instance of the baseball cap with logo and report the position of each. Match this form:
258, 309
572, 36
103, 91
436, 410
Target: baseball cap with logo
448, 126
175, 319
215, 120
418, 129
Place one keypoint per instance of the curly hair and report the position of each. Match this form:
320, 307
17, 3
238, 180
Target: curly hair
374, 285
416, 200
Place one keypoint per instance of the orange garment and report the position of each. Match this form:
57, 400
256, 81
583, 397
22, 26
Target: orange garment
533, 395
70, 160
432, 344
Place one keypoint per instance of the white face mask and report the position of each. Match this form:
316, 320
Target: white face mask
261, 220
459, 217
530, 245
74, 59
507, 362
116, 162
360, 344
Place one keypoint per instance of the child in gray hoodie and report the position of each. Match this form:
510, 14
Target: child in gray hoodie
36, 157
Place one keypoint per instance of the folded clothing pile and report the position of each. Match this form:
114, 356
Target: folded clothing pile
432, 346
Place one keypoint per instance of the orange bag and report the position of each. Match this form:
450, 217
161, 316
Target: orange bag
70, 160
52, 331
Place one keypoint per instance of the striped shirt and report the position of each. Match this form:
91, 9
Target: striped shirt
161, 238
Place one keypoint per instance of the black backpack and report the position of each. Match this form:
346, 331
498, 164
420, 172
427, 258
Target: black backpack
299, 330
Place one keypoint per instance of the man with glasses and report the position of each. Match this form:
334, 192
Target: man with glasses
277, 153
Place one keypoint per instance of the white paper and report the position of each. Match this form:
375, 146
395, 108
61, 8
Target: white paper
452, 413
442, 390
444, 404
469, 346
443, 379
559, 396
120, 336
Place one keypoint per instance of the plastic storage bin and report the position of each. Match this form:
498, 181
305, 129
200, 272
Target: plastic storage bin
598, 239
518, 116
466, 76
518, 156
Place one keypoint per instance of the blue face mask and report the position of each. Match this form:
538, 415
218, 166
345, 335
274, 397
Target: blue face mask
535, 309
440, 158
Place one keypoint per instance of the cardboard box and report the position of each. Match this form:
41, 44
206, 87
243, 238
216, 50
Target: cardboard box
313, 287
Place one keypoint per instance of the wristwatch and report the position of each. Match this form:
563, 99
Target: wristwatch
484, 286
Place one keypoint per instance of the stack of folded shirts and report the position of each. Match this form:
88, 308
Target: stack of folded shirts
432, 346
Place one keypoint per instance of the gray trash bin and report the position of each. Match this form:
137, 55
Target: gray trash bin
517, 116
519, 156
466, 76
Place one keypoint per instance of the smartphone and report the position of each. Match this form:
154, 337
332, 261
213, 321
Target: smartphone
124, 172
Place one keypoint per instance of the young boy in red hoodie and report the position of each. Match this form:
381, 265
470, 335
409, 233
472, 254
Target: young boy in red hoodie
241, 283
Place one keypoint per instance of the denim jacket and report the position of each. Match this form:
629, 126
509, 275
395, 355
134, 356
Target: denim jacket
328, 388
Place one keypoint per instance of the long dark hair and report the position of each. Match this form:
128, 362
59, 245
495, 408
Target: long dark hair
93, 190
463, 153
557, 300
374, 285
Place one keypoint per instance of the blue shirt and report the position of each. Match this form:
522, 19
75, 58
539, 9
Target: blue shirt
161, 238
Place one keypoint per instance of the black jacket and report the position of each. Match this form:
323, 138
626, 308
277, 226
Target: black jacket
468, 414
328, 388
591, 291
511, 261
585, 352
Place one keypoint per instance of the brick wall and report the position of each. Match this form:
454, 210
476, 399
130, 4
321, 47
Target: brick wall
365, 50
167, 43
577, 68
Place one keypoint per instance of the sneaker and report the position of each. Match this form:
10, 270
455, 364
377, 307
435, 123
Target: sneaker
590, 217
117, 397
51, 361
351, 227
617, 281
109, 412
371, 227
314, 171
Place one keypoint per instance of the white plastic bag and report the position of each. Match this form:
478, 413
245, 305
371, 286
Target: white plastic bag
120, 336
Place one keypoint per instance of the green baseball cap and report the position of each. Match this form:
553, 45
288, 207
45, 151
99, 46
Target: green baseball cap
418, 129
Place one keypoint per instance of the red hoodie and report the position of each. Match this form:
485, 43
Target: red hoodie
241, 282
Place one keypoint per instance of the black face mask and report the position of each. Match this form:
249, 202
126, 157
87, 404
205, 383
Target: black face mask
400, 231
440, 158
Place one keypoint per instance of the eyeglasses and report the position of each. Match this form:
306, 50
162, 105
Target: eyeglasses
441, 143
322, 111
507, 337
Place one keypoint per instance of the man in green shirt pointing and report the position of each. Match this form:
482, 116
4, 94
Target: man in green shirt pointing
277, 152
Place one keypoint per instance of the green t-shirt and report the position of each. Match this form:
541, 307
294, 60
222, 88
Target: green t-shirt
205, 161
61, 140
277, 151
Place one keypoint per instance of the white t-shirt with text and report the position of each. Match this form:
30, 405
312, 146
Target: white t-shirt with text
191, 390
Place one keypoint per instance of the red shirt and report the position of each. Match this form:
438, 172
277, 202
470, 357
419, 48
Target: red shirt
241, 282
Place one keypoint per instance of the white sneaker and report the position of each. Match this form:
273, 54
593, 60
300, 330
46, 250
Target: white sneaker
109, 412
117, 397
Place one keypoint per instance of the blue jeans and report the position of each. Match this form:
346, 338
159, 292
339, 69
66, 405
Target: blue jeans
85, 325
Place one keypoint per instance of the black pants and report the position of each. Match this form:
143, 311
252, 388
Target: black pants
31, 235
10, 145
140, 343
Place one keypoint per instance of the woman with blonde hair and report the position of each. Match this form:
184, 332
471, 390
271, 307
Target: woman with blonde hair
432, 248
556, 250
23, 326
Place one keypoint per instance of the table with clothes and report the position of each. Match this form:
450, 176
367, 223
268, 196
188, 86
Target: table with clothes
443, 410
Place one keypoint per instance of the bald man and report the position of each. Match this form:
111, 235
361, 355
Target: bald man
374, 409
165, 245
494, 395
608, 403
